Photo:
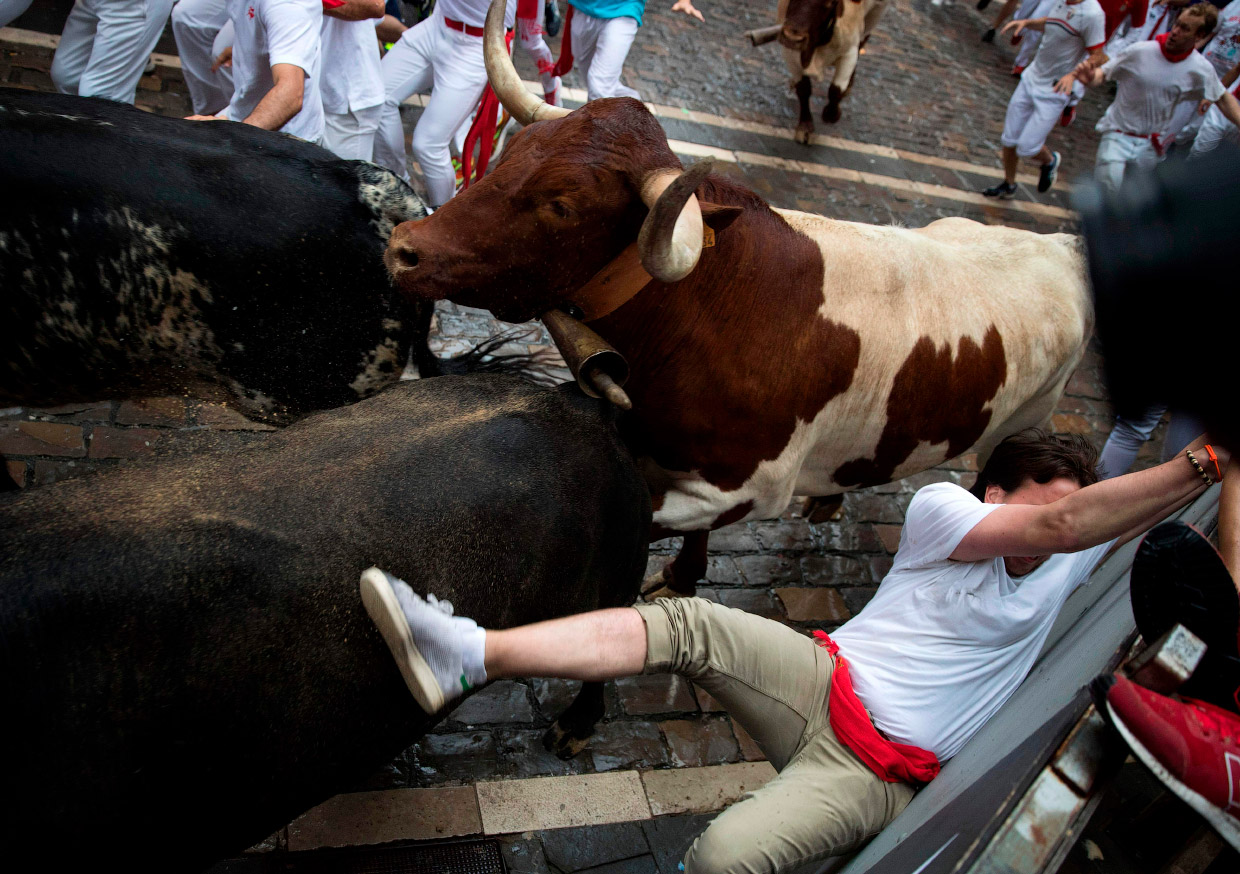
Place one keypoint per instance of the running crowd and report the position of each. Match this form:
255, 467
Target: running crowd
1172, 66
313, 68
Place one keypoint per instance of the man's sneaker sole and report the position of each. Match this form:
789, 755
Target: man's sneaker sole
380, 602
1226, 825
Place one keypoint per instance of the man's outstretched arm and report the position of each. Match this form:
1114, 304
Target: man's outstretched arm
1122, 508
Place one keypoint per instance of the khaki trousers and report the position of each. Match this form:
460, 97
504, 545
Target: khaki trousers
774, 682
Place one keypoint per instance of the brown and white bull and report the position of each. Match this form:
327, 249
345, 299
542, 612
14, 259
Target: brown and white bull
818, 35
795, 355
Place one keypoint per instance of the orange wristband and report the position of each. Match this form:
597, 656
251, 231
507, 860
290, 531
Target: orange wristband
1217, 470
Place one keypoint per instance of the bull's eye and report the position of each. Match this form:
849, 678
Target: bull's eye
560, 209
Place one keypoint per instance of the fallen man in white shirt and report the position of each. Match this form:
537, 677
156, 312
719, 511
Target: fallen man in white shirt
854, 723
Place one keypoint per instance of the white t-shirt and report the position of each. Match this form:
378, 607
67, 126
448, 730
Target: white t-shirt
943, 644
273, 32
1150, 88
473, 12
1072, 32
352, 79
1223, 50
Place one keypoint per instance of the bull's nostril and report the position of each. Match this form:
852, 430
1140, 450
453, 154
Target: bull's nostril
409, 257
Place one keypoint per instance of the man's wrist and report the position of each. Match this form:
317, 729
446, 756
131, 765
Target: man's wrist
1199, 469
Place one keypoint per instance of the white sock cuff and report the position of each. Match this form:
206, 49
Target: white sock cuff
473, 655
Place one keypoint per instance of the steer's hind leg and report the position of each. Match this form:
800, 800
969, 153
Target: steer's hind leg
570, 733
805, 125
678, 579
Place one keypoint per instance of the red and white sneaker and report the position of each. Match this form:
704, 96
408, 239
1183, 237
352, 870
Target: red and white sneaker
1191, 746
1067, 116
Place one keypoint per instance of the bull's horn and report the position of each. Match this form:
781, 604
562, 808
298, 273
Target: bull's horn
598, 368
521, 104
670, 241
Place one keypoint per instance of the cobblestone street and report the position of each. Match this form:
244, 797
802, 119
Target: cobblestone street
917, 141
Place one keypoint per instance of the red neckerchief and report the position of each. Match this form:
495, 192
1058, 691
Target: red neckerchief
1161, 39
891, 761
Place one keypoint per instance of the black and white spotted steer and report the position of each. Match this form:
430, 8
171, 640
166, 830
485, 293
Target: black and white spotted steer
145, 255
185, 664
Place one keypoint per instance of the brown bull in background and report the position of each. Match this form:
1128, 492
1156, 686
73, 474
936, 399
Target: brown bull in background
816, 35
789, 353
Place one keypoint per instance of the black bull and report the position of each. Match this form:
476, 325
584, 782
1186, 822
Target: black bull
185, 664
149, 255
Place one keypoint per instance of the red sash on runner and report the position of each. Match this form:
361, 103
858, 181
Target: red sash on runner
565, 61
891, 761
482, 131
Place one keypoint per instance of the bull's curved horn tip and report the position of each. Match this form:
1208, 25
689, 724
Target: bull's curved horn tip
607, 387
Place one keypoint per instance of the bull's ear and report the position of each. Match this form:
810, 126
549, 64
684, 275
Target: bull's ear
717, 216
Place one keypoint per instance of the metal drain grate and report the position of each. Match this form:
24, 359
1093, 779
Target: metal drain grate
456, 857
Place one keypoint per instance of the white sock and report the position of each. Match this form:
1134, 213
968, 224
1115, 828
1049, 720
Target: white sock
473, 655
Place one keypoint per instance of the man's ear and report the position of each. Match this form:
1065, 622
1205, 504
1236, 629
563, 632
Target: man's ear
717, 216
994, 494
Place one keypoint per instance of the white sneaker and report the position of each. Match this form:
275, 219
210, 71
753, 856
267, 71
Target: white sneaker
426, 640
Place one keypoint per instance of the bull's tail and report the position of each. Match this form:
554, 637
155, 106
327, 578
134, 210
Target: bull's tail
542, 367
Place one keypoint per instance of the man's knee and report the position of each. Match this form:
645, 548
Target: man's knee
714, 852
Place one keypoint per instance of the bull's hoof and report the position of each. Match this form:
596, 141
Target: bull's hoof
565, 744
804, 131
831, 113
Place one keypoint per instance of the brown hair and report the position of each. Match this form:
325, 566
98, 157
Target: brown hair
1033, 454
1208, 14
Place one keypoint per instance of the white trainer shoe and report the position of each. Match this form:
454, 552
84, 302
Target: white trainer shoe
426, 640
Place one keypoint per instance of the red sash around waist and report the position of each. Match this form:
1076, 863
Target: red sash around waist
891, 761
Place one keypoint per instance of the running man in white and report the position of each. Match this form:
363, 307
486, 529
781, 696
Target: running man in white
352, 83
105, 45
442, 53
1222, 50
1071, 30
600, 33
276, 60
530, 30
195, 25
1154, 78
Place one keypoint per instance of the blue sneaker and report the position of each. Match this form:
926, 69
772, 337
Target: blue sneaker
1049, 171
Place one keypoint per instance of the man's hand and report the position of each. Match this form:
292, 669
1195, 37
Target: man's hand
687, 7
1065, 85
224, 60
205, 118
1015, 25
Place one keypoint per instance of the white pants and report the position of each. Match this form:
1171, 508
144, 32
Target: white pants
351, 135
1032, 114
105, 46
600, 46
430, 55
1214, 130
196, 24
530, 36
10, 9
1117, 153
